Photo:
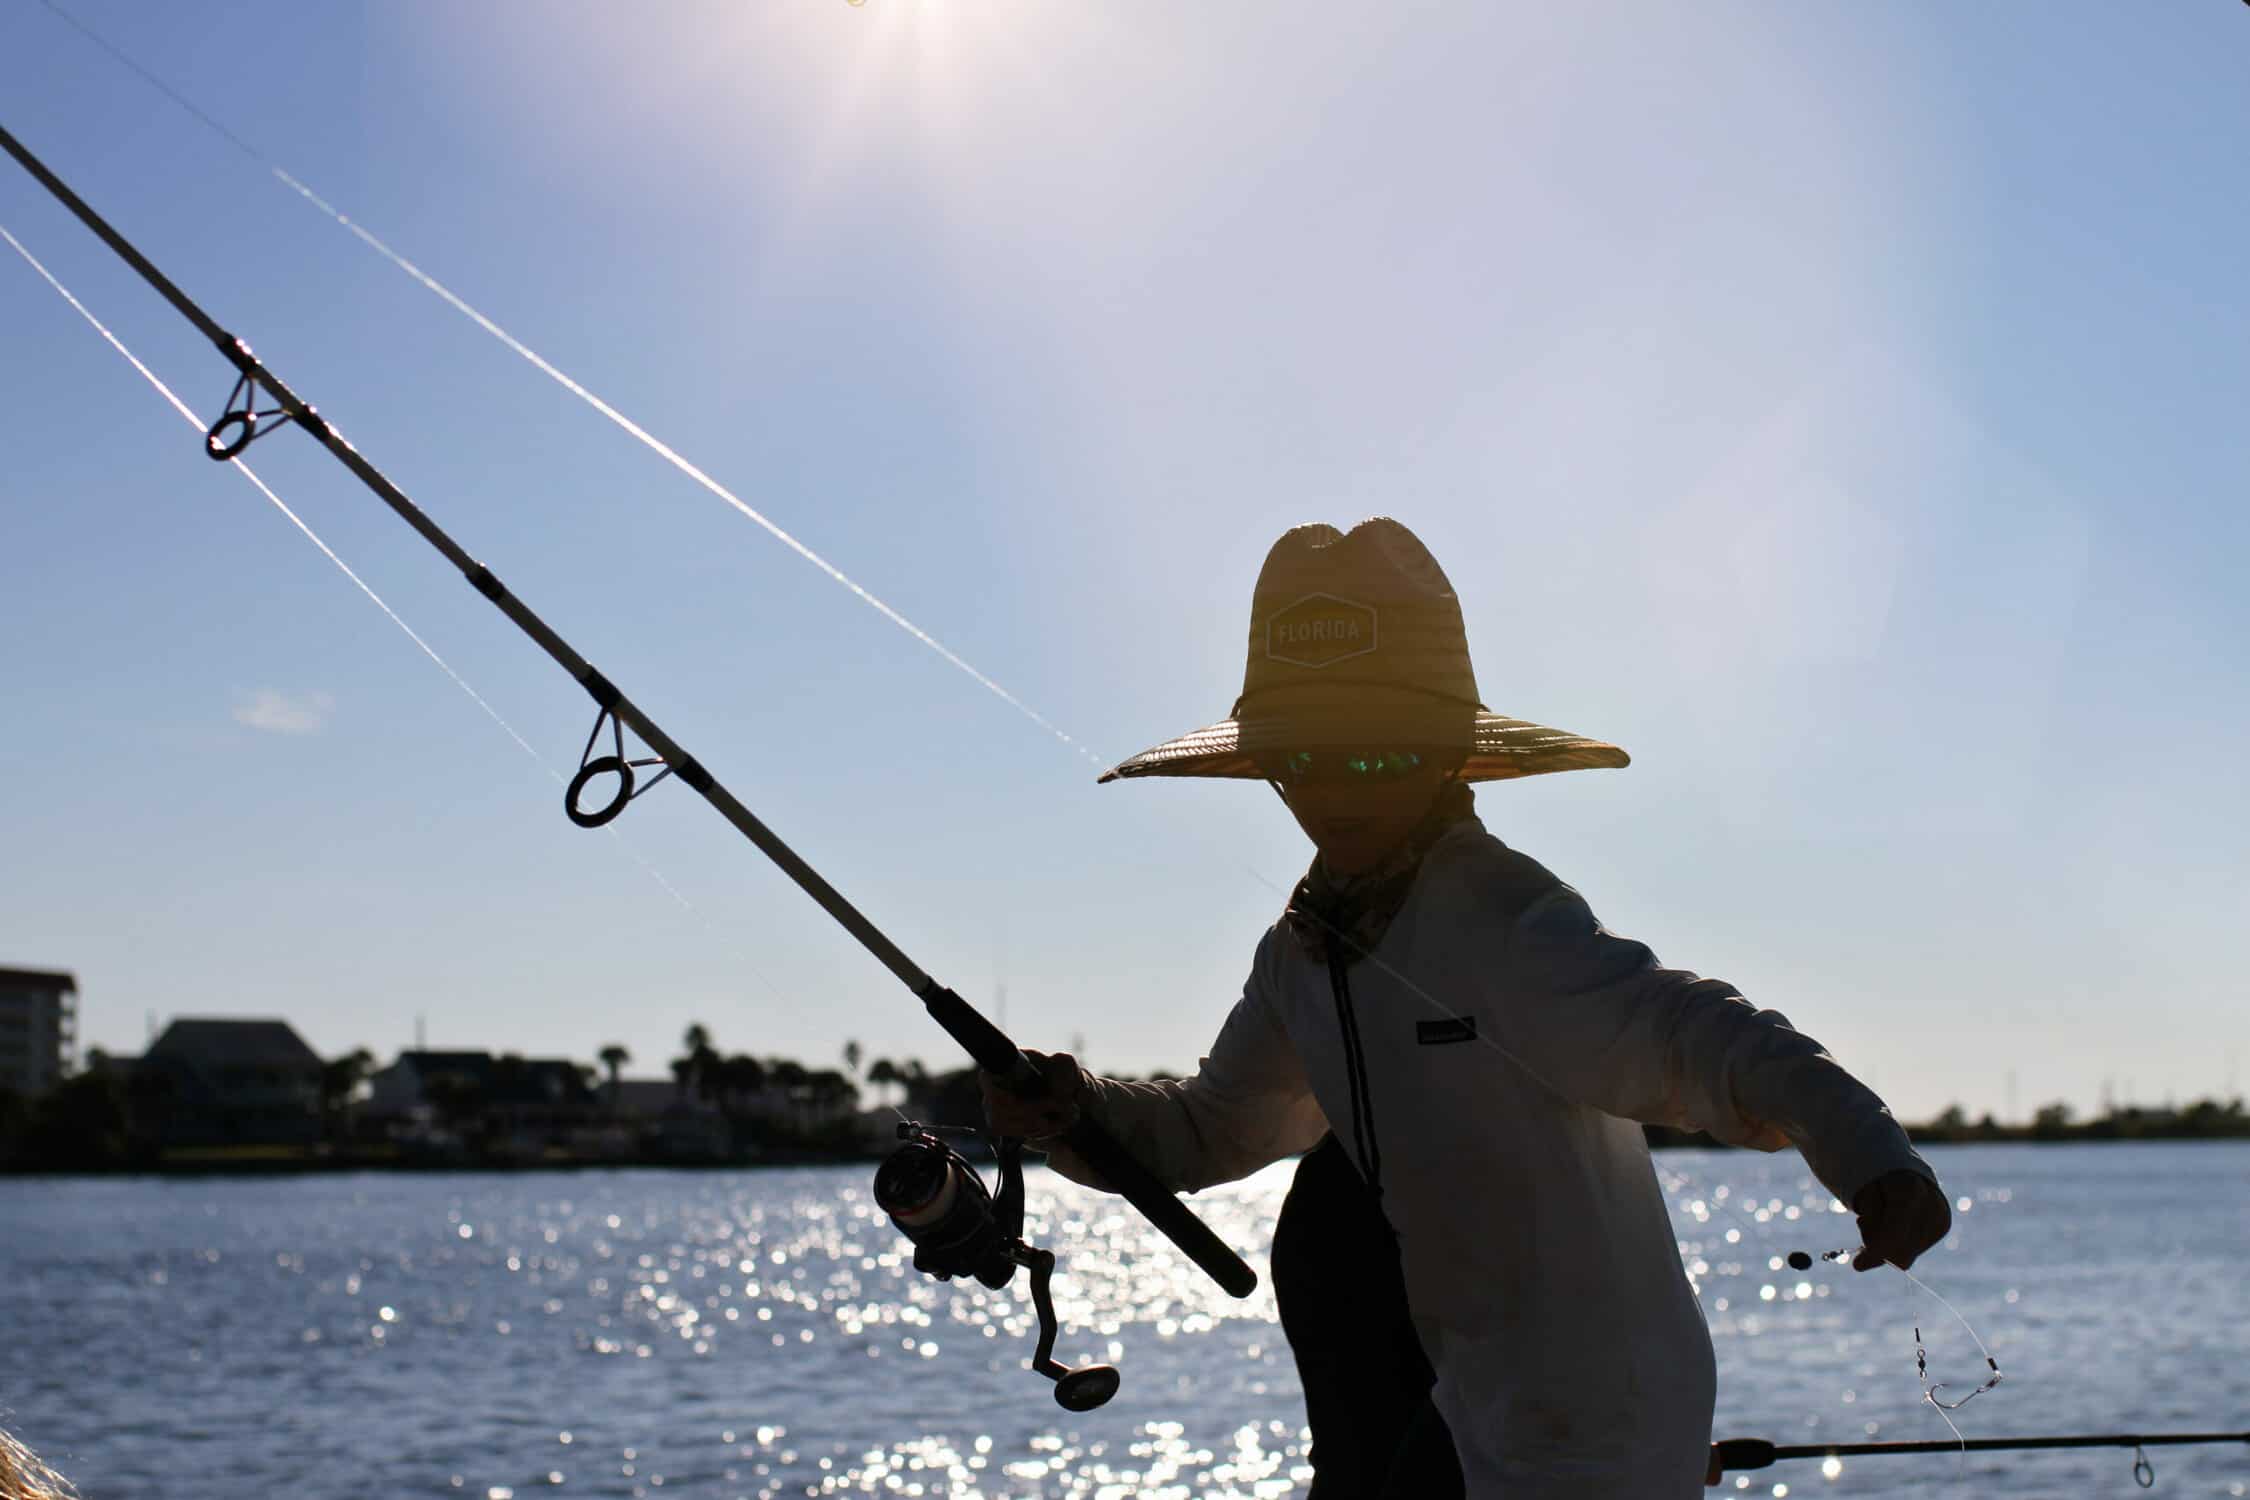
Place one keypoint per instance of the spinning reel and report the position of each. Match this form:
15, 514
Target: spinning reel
960, 1227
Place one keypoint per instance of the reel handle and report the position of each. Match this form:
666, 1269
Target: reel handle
1081, 1389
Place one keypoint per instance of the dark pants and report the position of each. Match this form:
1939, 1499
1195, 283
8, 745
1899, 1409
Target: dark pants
1342, 1298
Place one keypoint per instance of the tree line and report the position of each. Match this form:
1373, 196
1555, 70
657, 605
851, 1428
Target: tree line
2202, 1120
108, 1118
114, 1114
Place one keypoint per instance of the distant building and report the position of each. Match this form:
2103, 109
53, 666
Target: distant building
222, 1082
38, 1029
528, 1102
651, 1099
669, 1120
409, 1089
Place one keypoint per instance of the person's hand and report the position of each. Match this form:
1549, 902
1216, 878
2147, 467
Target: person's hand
1901, 1214
1050, 1114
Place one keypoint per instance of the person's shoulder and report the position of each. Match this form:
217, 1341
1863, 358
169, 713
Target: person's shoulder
1275, 946
1501, 882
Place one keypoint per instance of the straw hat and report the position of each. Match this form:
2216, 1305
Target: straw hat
1356, 643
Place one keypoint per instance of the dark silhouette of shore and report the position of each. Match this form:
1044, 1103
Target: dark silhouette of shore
247, 1095
2203, 1120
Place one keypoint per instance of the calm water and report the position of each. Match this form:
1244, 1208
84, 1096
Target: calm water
759, 1334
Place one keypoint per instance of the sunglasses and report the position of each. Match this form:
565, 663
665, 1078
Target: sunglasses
1342, 767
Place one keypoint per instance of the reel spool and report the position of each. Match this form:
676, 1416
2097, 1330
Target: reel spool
960, 1227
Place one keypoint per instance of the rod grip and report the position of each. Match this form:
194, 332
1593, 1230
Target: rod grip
1178, 1223
996, 1054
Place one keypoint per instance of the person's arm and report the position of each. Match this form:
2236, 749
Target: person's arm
1599, 1021
1248, 1104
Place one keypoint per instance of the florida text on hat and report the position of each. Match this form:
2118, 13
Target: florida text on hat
1356, 643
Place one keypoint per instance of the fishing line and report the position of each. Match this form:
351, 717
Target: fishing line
633, 429
1922, 1368
330, 553
1922, 1362
1929, 1391
1799, 1260
264, 489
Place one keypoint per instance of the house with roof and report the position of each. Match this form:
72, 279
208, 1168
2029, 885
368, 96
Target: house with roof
221, 1081
658, 1116
421, 1086
522, 1103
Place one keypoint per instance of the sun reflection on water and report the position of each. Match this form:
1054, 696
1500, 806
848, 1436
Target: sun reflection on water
763, 1334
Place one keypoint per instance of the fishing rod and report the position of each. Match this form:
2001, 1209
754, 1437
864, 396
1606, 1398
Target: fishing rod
242, 423
1757, 1453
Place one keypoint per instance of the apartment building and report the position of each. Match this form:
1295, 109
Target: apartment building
38, 1029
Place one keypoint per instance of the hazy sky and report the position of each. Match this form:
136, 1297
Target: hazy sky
1839, 406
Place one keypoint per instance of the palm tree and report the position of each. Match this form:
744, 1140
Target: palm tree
614, 1056
882, 1072
710, 1074
701, 1060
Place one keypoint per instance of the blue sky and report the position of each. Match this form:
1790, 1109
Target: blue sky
1839, 407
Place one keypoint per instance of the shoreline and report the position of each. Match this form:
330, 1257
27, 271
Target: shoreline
282, 1162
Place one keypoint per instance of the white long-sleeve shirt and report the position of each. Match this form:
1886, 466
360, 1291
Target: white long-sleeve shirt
1541, 1269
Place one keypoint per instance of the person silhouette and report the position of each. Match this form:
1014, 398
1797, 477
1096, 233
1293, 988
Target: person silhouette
1484, 1049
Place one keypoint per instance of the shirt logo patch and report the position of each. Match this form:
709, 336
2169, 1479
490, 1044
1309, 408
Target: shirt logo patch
1320, 629
1453, 1029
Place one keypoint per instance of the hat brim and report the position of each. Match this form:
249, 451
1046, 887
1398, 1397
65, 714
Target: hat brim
1496, 748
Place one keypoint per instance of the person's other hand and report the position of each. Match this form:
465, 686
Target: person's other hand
1050, 1114
1901, 1214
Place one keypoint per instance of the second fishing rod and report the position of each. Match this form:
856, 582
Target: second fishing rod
242, 423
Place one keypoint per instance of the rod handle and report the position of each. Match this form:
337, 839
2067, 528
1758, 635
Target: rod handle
1177, 1222
995, 1053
